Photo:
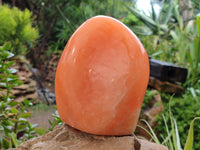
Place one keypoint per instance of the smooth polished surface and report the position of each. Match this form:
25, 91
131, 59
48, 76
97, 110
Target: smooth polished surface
101, 78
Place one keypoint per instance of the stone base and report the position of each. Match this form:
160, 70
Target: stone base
65, 137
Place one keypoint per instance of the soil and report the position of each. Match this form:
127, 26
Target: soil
41, 116
42, 113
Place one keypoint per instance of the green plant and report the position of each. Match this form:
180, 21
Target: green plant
184, 109
159, 48
196, 5
156, 23
14, 128
55, 121
172, 138
148, 96
131, 20
188, 54
112, 8
135, 24
194, 53
176, 41
180, 36
16, 27
68, 22
67, 16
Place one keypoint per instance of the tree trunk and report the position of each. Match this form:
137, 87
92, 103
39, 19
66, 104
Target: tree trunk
186, 9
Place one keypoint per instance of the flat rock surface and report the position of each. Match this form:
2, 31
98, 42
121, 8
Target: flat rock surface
28, 90
165, 86
65, 137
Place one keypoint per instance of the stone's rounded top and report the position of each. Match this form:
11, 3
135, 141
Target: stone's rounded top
101, 78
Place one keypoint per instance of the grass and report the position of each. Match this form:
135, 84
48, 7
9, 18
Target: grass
40, 108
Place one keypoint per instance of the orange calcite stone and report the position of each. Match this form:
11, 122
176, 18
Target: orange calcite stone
101, 78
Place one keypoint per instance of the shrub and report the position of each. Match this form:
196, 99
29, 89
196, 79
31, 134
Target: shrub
66, 16
16, 27
14, 128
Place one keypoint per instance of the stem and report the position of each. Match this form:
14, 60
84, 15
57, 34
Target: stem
15, 127
72, 27
7, 85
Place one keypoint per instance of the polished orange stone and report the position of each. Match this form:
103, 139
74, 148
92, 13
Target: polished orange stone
101, 78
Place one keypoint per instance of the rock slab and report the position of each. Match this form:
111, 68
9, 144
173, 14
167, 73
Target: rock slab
28, 90
65, 137
165, 86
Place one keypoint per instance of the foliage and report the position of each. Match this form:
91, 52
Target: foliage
181, 36
112, 8
159, 48
148, 96
155, 23
194, 53
190, 137
190, 52
154, 34
48, 16
131, 20
69, 22
170, 38
55, 121
16, 27
172, 138
135, 24
184, 108
67, 16
14, 128
196, 6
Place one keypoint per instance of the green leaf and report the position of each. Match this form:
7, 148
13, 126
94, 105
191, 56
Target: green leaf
14, 139
34, 125
12, 70
178, 144
7, 123
190, 137
27, 102
10, 63
13, 120
149, 22
174, 35
24, 115
22, 120
13, 103
178, 17
14, 110
41, 131
154, 17
142, 30
152, 132
31, 126
198, 24
7, 129
10, 55
169, 12
1, 134
1, 128
21, 127
6, 46
7, 143
169, 134
3, 84
189, 27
